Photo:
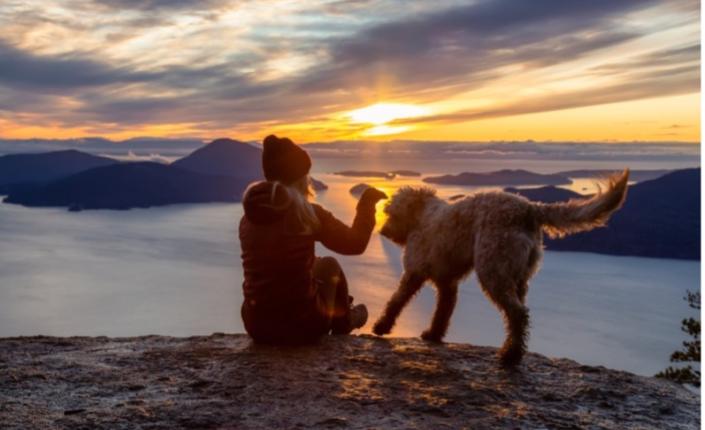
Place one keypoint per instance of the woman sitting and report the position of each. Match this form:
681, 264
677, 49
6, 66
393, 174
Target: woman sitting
290, 295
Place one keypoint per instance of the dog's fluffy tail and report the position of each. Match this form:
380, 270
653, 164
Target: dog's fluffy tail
573, 216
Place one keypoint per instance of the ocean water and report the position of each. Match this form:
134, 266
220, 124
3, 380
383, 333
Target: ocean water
176, 271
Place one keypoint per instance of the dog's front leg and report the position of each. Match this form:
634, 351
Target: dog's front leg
409, 285
447, 297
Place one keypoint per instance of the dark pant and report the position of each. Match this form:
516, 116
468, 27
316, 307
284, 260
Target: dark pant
301, 324
332, 293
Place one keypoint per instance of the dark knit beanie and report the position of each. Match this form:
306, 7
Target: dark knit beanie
283, 160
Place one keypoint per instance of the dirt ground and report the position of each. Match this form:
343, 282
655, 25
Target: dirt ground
346, 382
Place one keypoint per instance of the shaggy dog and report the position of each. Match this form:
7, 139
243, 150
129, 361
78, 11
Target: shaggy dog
497, 234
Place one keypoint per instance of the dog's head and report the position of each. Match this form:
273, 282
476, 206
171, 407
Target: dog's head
404, 211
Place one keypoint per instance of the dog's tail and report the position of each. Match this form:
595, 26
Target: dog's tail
573, 216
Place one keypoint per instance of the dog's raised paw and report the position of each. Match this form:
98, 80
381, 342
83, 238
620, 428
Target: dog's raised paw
381, 328
430, 336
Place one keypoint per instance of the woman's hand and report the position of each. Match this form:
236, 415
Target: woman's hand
372, 195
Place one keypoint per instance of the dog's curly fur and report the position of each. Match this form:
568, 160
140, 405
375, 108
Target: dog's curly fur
497, 234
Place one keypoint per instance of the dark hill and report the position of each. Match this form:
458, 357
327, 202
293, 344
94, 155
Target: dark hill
547, 194
500, 177
318, 185
634, 175
225, 157
366, 174
38, 168
129, 185
217, 172
660, 218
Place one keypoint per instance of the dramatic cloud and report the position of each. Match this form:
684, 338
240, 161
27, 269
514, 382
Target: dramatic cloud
243, 66
152, 5
41, 72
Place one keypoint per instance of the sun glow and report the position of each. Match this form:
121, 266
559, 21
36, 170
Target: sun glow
379, 114
382, 113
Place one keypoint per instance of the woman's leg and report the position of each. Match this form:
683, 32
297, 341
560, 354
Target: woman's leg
333, 293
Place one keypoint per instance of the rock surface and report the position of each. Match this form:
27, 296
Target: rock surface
348, 382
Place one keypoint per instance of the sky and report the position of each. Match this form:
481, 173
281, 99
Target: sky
549, 70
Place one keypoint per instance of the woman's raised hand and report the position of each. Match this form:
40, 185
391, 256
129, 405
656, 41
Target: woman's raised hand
372, 195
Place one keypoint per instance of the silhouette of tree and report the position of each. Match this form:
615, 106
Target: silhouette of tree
691, 349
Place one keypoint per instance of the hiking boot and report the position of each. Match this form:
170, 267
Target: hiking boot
358, 316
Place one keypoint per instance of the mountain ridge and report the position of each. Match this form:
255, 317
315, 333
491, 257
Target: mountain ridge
660, 218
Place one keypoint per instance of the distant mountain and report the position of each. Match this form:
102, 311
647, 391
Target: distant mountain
634, 175
19, 170
318, 185
366, 174
228, 157
130, 185
217, 172
500, 177
660, 218
549, 194
406, 172
225, 157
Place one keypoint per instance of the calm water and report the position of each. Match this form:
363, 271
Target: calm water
176, 271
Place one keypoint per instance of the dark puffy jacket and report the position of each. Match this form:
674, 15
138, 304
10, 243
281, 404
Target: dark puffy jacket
277, 260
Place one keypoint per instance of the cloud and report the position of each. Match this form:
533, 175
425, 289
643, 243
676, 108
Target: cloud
185, 61
671, 81
42, 72
152, 5
458, 44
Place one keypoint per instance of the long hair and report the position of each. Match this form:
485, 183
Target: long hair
300, 192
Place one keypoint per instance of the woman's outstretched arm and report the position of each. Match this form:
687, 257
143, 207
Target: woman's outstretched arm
353, 240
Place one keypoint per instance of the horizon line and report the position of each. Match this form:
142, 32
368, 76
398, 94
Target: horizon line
206, 140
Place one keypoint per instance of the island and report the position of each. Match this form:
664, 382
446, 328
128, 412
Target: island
21, 171
634, 175
549, 194
216, 172
366, 174
500, 177
660, 219
410, 173
131, 185
318, 185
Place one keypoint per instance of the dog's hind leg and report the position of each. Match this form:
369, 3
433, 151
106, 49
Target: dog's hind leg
447, 297
409, 285
503, 292
522, 290
530, 268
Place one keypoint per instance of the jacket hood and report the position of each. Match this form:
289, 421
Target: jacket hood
265, 202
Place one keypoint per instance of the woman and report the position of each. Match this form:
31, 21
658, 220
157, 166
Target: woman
290, 295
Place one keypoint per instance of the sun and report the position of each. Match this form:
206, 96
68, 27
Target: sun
380, 114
